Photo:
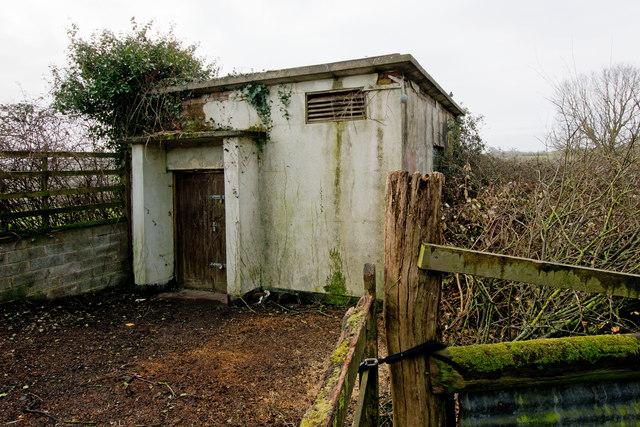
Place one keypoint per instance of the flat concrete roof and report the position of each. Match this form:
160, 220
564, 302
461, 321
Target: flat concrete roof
403, 63
188, 139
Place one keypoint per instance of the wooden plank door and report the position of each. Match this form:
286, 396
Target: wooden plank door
200, 230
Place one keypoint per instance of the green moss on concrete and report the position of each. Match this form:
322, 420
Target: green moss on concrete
336, 285
252, 132
337, 178
181, 135
380, 146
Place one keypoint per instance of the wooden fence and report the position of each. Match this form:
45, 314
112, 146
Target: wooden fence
515, 368
422, 388
358, 341
41, 192
414, 262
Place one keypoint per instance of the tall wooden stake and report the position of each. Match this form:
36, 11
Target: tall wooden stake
411, 295
44, 186
366, 413
372, 405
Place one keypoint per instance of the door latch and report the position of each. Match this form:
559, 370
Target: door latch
218, 265
217, 197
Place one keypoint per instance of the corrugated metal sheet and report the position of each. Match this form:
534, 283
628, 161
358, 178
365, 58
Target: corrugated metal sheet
601, 404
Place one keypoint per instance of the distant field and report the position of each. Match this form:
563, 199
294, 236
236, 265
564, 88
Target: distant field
522, 154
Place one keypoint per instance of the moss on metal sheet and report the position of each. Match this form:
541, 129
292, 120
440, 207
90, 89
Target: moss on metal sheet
470, 363
544, 352
539, 419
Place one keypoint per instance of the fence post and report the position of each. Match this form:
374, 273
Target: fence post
44, 186
367, 407
371, 348
411, 295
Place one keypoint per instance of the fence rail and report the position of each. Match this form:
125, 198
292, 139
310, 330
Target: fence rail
53, 211
37, 174
515, 269
22, 154
61, 192
46, 191
495, 379
357, 342
535, 362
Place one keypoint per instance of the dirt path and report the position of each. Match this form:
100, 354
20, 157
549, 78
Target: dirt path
120, 359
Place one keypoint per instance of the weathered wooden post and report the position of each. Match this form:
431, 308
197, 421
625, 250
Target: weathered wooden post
44, 186
367, 408
411, 295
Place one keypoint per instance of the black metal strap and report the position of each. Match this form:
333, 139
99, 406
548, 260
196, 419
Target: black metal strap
427, 348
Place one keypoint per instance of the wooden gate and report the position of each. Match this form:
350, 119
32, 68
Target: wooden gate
578, 381
200, 230
587, 380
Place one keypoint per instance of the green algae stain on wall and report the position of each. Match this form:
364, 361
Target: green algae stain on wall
337, 177
380, 147
336, 285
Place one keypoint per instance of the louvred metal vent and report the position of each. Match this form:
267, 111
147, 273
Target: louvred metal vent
336, 105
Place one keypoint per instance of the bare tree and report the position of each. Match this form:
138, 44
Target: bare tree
29, 126
599, 110
33, 129
582, 208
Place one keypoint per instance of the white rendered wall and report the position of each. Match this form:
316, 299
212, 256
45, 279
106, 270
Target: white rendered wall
320, 198
152, 216
152, 209
244, 233
305, 204
205, 157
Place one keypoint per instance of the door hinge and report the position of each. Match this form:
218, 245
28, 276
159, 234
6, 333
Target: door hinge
217, 197
218, 265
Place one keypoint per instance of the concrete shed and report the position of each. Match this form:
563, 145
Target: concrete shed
290, 196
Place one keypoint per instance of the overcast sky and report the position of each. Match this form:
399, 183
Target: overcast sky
499, 58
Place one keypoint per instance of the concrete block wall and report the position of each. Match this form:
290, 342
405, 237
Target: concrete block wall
63, 263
